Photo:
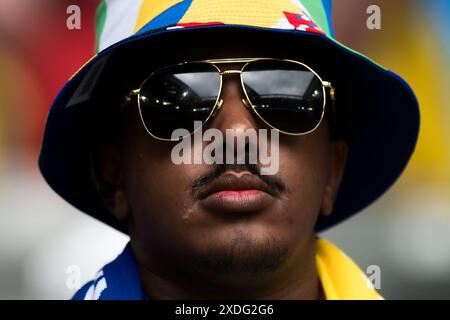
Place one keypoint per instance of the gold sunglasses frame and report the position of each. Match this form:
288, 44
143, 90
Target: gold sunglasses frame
246, 100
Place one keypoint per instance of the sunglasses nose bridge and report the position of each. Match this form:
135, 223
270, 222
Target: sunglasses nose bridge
220, 102
230, 72
232, 94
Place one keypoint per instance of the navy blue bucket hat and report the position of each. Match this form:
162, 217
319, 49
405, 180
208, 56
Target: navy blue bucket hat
377, 112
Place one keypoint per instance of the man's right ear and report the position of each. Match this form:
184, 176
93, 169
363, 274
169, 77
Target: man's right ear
106, 173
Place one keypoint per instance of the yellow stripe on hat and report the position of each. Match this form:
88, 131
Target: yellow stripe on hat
150, 9
262, 13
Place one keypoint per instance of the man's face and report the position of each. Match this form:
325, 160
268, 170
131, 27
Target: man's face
191, 215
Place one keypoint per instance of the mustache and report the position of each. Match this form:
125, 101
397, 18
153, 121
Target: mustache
273, 181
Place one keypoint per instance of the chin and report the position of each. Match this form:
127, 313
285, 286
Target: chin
242, 253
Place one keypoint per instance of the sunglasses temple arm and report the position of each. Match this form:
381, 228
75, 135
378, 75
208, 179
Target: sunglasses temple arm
328, 85
332, 114
129, 96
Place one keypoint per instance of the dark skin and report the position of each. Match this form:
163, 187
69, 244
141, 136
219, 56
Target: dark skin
185, 251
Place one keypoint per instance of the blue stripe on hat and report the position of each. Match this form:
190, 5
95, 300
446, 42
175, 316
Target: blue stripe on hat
327, 6
169, 17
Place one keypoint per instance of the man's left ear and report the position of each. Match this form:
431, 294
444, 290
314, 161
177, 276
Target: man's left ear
338, 159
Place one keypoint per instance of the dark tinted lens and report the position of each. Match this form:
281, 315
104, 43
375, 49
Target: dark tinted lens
175, 97
288, 96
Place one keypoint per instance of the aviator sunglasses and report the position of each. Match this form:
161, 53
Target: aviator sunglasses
286, 95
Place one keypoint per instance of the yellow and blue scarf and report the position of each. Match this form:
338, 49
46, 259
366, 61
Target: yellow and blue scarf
340, 277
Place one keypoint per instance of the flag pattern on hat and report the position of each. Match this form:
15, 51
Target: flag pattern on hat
118, 19
301, 21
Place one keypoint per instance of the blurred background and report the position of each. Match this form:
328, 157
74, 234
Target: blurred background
43, 240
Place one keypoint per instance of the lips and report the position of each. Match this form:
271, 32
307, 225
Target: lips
233, 192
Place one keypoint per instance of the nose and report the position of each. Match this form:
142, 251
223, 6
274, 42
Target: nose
232, 112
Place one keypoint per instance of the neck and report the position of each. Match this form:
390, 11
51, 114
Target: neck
297, 279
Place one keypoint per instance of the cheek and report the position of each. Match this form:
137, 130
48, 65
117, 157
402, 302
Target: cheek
156, 190
304, 167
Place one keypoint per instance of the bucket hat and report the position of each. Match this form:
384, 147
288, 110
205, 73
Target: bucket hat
376, 109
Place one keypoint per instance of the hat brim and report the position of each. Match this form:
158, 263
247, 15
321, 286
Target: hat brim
381, 117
